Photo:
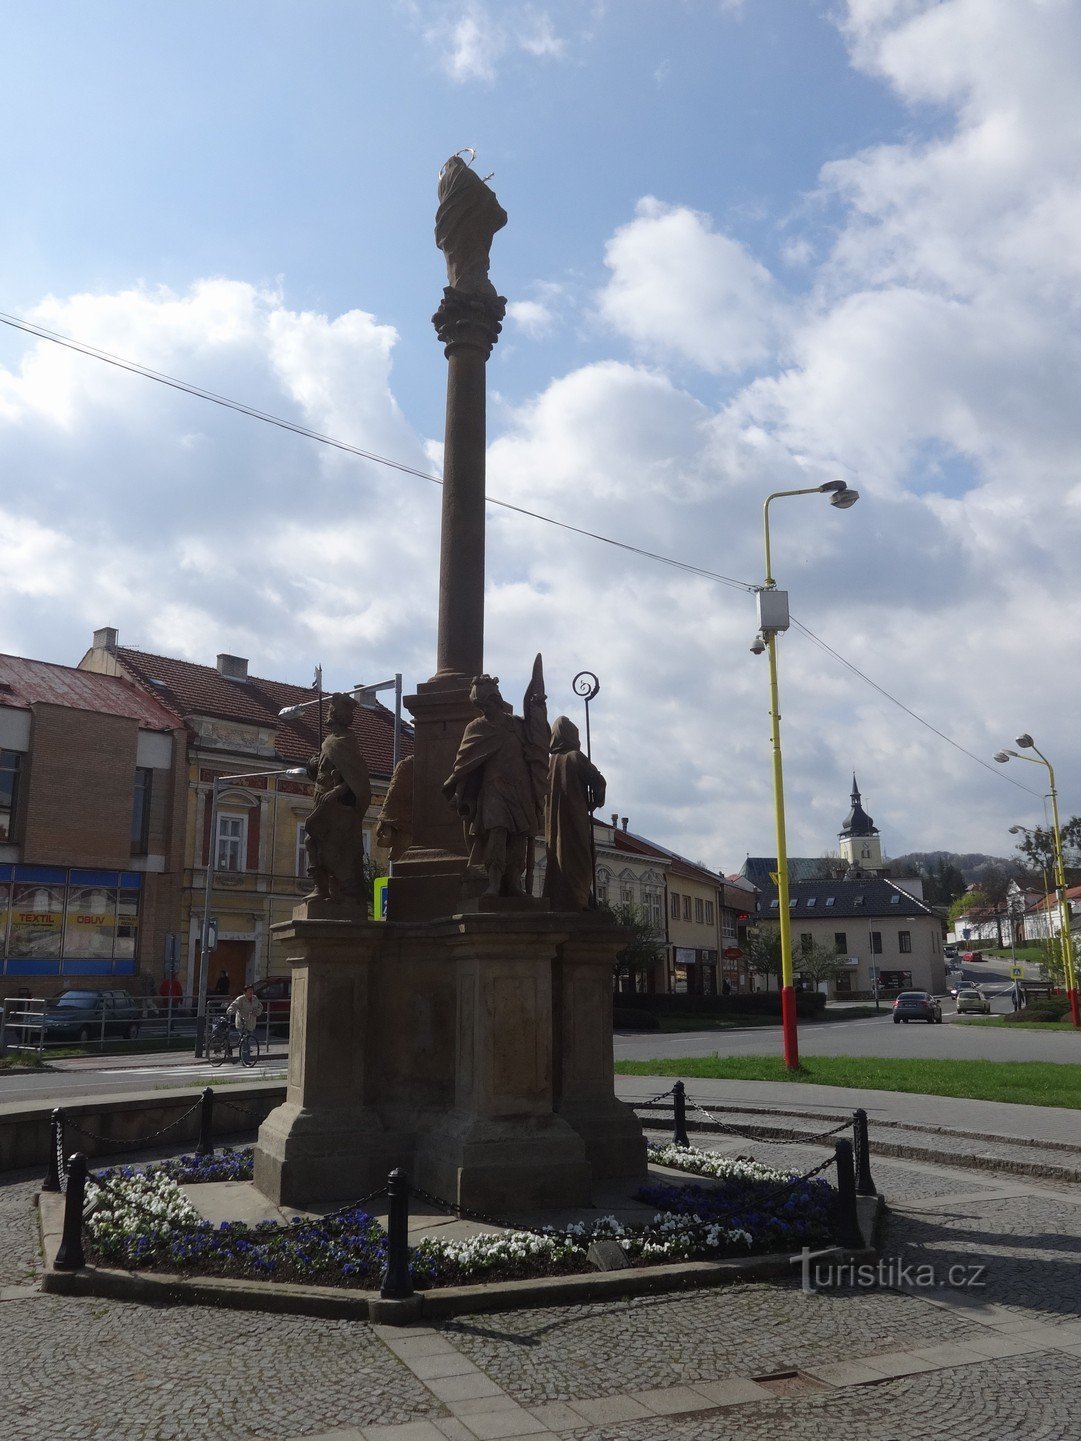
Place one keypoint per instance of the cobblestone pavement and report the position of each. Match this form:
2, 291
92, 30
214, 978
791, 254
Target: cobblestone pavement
893, 1361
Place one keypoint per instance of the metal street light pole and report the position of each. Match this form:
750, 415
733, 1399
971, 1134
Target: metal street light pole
1027, 743
1028, 831
773, 617
211, 867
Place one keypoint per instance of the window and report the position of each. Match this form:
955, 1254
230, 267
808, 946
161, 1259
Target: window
700, 910
860, 901
626, 895
806, 941
840, 942
904, 942
654, 903
140, 811
675, 905
302, 851
686, 908
709, 913
50, 916
230, 846
830, 900
811, 901
895, 900
876, 943
728, 924
10, 765
603, 877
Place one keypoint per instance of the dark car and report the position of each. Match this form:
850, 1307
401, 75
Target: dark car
274, 993
86, 1016
916, 1006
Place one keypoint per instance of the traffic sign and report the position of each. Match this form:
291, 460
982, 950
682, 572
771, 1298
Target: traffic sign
1017, 972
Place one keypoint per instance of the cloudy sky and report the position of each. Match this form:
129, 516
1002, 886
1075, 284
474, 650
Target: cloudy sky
752, 247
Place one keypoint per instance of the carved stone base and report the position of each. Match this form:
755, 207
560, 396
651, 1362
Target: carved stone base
493, 1164
473, 1052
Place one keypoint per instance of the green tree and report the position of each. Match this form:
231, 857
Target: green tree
943, 882
643, 948
763, 950
1038, 848
819, 963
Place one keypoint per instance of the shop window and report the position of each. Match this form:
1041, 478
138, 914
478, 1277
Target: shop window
10, 768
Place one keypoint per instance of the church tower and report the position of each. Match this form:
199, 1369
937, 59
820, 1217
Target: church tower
859, 843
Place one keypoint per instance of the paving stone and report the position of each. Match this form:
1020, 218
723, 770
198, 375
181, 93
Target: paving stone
671, 1400
558, 1417
611, 1408
499, 1425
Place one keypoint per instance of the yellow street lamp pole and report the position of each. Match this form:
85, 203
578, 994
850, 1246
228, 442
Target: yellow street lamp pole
1027, 743
773, 618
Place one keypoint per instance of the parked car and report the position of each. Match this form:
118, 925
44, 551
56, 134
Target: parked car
916, 1006
973, 999
86, 1015
972, 957
274, 993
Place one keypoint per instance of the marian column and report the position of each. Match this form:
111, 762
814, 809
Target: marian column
427, 880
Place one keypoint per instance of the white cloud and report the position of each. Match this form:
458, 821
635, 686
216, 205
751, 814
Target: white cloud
532, 316
677, 286
472, 37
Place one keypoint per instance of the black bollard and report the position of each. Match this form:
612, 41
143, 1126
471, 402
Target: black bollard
69, 1256
396, 1282
865, 1185
849, 1234
56, 1150
679, 1107
206, 1124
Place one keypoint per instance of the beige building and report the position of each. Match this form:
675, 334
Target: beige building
259, 866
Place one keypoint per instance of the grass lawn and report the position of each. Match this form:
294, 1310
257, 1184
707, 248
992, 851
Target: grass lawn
741, 1023
1013, 1025
1030, 1083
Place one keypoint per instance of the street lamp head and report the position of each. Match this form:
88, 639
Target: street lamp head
1025, 742
1017, 830
839, 494
1002, 757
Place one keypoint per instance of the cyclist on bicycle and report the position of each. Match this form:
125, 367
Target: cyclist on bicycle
244, 1012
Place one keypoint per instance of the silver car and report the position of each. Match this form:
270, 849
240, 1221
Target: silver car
973, 999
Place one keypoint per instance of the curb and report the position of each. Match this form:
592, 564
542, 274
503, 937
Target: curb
335, 1303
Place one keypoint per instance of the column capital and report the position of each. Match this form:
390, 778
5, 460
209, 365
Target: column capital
467, 318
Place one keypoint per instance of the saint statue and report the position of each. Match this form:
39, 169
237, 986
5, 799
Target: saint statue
498, 783
394, 829
468, 217
334, 830
575, 788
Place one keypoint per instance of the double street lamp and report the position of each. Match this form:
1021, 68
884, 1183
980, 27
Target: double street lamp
1027, 743
773, 617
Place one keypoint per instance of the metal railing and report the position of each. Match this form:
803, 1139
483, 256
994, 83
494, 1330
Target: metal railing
34, 1023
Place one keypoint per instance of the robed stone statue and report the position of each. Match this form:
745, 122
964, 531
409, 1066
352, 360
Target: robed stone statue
498, 783
468, 217
575, 788
334, 830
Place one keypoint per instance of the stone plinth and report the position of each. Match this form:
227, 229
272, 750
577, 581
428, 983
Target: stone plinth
583, 1061
327, 1141
475, 1052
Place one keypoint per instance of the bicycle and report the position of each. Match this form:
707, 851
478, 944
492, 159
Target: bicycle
249, 1048
218, 1047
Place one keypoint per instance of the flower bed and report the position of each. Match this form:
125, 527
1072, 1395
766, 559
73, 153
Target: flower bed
141, 1220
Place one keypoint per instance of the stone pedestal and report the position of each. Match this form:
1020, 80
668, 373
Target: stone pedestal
474, 1052
584, 1078
327, 1141
502, 1146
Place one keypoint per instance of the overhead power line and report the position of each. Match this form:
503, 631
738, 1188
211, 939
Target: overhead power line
227, 403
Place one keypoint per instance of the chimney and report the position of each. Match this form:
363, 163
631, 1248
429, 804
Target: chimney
105, 638
233, 667
624, 821
615, 819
